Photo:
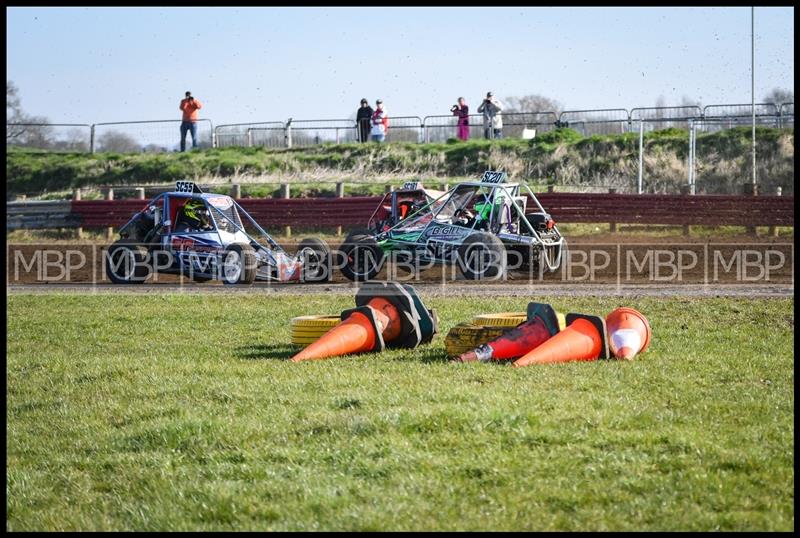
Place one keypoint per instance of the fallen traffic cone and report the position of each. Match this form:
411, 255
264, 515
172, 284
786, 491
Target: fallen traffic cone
584, 339
628, 332
387, 314
542, 324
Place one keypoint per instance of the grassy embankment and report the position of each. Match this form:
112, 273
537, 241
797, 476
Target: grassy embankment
562, 157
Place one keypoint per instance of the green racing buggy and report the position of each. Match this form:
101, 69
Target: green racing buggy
483, 227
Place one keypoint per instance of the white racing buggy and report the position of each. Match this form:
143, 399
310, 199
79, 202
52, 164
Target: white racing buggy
475, 225
208, 236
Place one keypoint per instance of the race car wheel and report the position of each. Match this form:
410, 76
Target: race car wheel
316, 260
482, 255
238, 264
363, 258
357, 231
126, 262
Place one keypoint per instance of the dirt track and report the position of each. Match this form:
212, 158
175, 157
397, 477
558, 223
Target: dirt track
653, 266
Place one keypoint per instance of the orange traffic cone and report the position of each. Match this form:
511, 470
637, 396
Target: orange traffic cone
628, 332
542, 324
387, 314
584, 339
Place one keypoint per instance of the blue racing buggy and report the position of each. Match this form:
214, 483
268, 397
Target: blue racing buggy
208, 236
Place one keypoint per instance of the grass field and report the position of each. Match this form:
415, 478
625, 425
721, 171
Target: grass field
179, 412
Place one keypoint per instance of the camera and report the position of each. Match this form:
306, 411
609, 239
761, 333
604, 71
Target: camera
454, 108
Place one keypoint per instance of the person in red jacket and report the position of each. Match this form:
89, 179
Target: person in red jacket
189, 106
380, 122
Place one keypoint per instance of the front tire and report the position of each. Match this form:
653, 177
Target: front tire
126, 262
238, 265
316, 260
482, 256
363, 258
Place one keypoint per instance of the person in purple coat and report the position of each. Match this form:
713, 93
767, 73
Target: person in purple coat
461, 111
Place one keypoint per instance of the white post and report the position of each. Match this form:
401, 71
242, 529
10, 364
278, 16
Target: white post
691, 158
694, 156
753, 84
641, 153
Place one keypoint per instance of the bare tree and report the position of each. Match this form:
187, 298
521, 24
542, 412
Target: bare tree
529, 111
778, 96
22, 129
117, 142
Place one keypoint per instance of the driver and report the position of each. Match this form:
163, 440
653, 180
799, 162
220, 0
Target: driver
195, 217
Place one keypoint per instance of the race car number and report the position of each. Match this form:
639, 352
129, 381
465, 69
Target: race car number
184, 186
493, 177
411, 185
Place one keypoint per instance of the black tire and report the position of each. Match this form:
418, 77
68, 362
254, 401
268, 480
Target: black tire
482, 255
126, 262
317, 265
238, 268
363, 258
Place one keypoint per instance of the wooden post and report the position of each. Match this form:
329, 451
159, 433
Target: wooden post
613, 226
339, 194
551, 188
76, 195
686, 190
236, 191
773, 230
110, 229
444, 187
140, 193
751, 190
286, 194
389, 188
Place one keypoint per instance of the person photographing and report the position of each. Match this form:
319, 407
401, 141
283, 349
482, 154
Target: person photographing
189, 106
461, 111
492, 120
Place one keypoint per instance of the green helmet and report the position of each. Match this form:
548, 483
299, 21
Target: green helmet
195, 209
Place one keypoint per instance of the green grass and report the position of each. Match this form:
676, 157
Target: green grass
180, 412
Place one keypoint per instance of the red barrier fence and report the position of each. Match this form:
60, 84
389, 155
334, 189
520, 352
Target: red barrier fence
709, 210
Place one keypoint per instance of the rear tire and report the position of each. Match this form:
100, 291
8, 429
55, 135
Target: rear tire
363, 258
482, 255
238, 265
125, 262
317, 260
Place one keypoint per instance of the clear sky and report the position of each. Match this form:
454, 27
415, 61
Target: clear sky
86, 65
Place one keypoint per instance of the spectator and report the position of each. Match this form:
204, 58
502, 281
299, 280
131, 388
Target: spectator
492, 120
461, 110
189, 106
380, 122
363, 117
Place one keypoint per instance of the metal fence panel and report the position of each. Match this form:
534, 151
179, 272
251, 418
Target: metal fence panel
49, 136
405, 129
599, 121
235, 134
786, 111
156, 136
657, 118
305, 133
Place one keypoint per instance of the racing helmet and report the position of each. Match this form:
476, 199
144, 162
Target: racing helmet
197, 210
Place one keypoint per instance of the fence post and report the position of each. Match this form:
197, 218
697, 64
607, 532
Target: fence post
389, 188
751, 189
140, 193
551, 188
339, 194
773, 230
613, 226
444, 187
76, 195
236, 191
91, 139
641, 154
686, 190
286, 194
110, 229
287, 133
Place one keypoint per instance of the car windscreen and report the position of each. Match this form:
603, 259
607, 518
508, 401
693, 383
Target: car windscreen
224, 205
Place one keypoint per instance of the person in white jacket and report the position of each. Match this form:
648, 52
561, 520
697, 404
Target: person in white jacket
492, 117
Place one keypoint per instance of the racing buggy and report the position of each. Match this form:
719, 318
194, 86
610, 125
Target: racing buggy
474, 225
207, 237
397, 205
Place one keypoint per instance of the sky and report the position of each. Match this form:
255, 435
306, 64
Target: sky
91, 65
